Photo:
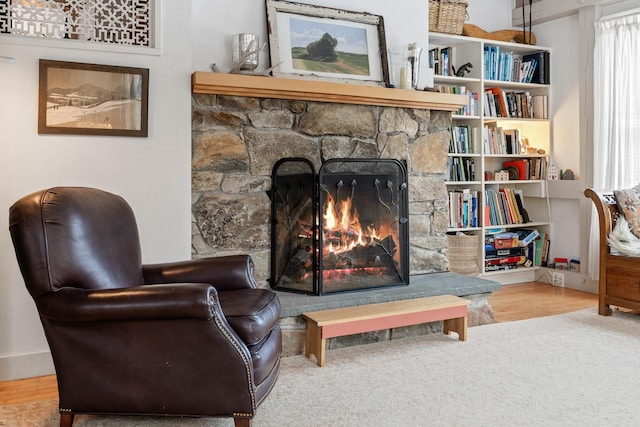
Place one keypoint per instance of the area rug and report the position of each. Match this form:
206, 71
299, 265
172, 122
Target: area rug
574, 369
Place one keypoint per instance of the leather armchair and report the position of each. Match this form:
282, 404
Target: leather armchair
191, 338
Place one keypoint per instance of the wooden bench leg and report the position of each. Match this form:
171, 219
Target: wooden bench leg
314, 343
458, 325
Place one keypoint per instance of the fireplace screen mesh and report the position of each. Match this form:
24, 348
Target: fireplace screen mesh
345, 229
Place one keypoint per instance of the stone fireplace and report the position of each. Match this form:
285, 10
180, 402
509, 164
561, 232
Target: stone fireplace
238, 138
243, 125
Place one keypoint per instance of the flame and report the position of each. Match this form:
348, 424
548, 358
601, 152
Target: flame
342, 228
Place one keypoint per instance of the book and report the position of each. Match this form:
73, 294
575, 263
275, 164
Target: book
446, 61
499, 102
507, 252
521, 166
515, 260
541, 73
539, 107
500, 267
546, 244
511, 210
526, 236
510, 192
505, 243
538, 243
523, 212
434, 60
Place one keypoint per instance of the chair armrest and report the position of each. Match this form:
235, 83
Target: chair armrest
605, 205
163, 301
225, 273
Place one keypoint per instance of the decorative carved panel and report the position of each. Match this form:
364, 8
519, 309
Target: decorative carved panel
123, 22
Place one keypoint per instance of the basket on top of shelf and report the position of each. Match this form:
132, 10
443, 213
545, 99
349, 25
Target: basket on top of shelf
447, 16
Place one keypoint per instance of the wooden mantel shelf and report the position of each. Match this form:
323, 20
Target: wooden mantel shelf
314, 90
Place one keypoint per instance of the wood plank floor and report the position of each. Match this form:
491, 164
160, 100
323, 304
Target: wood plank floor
512, 302
536, 299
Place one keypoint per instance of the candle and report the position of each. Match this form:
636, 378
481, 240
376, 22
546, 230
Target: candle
405, 78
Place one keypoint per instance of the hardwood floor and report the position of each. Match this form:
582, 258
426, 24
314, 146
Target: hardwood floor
511, 302
537, 299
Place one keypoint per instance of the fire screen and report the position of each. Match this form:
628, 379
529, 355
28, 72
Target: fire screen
345, 229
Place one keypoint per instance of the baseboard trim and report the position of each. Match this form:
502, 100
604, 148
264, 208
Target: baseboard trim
26, 365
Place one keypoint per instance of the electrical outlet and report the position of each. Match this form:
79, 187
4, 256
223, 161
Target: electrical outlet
557, 279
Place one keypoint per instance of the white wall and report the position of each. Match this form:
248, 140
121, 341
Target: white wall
152, 173
212, 36
563, 36
490, 15
403, 24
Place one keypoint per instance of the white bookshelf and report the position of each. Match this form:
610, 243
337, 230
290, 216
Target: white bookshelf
536, 130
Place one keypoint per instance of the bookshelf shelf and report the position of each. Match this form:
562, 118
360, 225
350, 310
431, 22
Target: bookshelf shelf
515, 182
518, 270
491, 119
470, 183
516, 85
461, 117
505, 109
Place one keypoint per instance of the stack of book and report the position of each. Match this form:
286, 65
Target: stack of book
464, 139
506, 250
471, 109
461, 169
502, 251
504, 207
463, 208
524, 247
533, 168
512, 67
512, 104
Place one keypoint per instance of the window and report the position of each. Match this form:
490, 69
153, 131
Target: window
616, 161
121, 22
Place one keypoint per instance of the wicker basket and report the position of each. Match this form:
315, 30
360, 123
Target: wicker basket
447, 16
462, 253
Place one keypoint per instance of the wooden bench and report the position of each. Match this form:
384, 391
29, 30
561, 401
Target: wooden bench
452, 310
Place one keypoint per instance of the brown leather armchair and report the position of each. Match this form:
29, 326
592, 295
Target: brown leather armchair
191, 338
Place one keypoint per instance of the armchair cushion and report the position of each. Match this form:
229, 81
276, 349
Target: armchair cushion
252, 313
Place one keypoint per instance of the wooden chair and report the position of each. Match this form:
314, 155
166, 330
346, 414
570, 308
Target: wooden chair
619, 279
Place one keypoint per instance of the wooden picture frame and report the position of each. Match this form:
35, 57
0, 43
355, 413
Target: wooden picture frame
348, 46
92, 99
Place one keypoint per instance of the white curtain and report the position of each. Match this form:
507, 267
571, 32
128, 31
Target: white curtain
617, 112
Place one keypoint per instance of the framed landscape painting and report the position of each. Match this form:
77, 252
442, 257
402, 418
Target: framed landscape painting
91, 99
315, 42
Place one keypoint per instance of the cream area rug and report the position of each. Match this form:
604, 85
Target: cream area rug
575, 369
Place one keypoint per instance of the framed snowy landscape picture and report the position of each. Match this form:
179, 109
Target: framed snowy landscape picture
92, 99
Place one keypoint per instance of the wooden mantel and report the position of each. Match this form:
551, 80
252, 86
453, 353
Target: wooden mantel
314, 90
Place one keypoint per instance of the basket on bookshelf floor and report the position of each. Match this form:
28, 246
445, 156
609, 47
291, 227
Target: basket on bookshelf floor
462, 253
447, 16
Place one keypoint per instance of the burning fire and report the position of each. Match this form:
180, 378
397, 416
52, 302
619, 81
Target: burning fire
342, 229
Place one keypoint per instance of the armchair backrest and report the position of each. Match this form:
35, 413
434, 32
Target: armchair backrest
75, 237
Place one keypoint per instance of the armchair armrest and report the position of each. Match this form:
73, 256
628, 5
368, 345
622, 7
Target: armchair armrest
225, 273
163, 301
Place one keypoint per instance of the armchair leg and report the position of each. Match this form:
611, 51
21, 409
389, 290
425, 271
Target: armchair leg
242, 422
66, 420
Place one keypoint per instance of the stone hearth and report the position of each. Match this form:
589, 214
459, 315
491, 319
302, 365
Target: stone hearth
476, 290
